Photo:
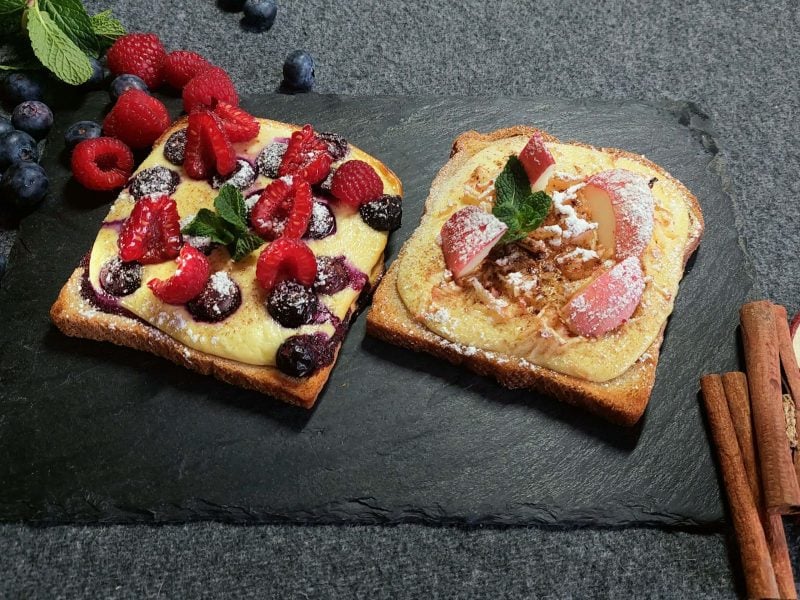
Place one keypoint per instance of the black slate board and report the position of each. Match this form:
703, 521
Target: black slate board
90, 432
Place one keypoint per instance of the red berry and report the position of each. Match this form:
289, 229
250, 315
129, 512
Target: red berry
102, 164
208, 88
239, 125
355, 182
306, 155
137, 119
180, 66
286, 259
207, 147
139, 54
152, 232
283, 210
187, 282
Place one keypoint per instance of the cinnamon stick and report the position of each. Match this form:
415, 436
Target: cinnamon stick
759, 574
762, 356
735, 385
791, 371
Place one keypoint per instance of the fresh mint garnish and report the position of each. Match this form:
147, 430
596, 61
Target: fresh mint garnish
226, 226
515, 205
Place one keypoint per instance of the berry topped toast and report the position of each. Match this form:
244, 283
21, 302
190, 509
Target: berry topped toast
547, 265
240, 248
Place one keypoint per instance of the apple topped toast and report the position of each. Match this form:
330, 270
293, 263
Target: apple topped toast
552, 266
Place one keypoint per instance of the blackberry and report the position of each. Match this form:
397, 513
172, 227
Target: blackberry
219, 299
155, 180
337, 145
332, 275
269, 159
242, 177
298, 356
175, 147
383, 214
291, 304
120, 278
322, 222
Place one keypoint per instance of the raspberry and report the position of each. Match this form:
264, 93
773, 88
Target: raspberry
286, 259
355, 182
102, 163
208, 88
207, 147
283, 210
152, 232
306, 155
239, 125
180, 66
139, 54
188, 281
137, 119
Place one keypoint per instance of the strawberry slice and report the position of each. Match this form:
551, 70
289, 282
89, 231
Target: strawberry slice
152, 232
286, 259
283, 210
187, 282
207, 147
239, 125
307, 156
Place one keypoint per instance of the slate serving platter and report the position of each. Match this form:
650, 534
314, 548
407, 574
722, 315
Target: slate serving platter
90, 432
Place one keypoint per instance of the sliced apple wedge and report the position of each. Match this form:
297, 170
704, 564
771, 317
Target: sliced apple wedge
607, 302
538, 162
467, 238
621, 204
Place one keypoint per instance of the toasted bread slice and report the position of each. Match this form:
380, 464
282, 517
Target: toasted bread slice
621, 399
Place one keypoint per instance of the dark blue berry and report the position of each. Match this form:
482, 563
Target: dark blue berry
332, 275
120, 278
259, 15
5, 126
175, 147
123, 83
383, 214
98, 75
322, 222
242, 177
23, 185
155, 180
298, 71
34, 118
19, 87
219, 299
291, 304
82, 130
231, 5
3, 261
299, 355
337, 145
17, 146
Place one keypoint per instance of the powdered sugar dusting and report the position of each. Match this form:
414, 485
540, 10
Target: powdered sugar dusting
467, 237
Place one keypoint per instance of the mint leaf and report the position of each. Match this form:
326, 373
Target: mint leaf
106, 28
245, 244
230, 206
515, 205
72, 18
55, 50
207, 224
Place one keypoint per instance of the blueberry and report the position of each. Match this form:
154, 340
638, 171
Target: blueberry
322, 222
3, 262
219, 299
298, 71
19, 87
291, 304
259, 15
299, 355
34, 118
269, 159
23, 185
5, 126
242, 177
231, 5
98, 75
82, 130
155, 180
123, 83
17, 146
175, 147
120, 278
337, 145
332, 275
383, 214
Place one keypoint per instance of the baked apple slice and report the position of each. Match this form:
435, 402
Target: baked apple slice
467, 238
539, 164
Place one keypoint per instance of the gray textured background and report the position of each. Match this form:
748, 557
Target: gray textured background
739, 61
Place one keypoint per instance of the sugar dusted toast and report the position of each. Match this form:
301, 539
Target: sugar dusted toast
236, 329
572, 309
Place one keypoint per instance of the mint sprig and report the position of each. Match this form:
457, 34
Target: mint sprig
226, 226
60, 33
515, 205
